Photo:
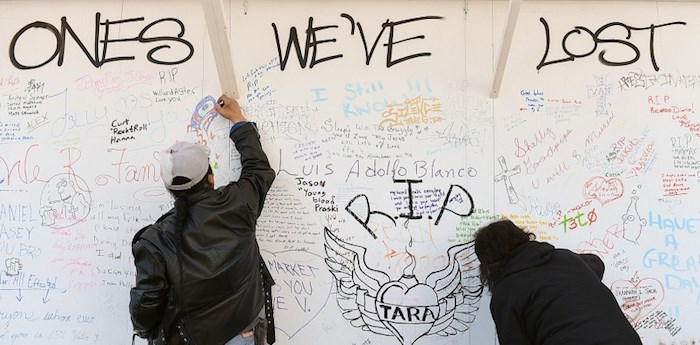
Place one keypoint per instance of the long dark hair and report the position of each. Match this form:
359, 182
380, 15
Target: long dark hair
182, 203
494, 244
182, 213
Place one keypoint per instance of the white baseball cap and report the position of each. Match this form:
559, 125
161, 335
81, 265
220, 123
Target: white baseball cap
184, 159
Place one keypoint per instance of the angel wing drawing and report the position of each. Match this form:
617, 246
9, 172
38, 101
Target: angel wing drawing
444, 304
458, 290
357, 284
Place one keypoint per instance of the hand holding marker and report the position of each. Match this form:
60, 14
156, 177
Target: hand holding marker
230, 109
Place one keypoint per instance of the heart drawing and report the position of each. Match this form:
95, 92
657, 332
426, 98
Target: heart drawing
301, 291
638, 297
442, 304
602, 189
407, 308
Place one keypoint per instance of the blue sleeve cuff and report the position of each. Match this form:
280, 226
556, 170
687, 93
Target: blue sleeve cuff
236, 125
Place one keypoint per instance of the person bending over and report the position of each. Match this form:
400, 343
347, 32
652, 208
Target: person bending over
541, 295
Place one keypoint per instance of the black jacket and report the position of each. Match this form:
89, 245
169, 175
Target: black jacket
219, 261
551, 296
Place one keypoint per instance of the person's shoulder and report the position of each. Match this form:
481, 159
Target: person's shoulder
225, 193
152, 231
572, 254
541, 247
567, 254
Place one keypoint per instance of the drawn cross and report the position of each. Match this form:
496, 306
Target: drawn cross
505, 177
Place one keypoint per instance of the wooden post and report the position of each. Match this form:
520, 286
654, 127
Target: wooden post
219, 38
514, 9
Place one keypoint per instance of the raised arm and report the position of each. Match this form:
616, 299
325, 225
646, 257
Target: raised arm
256, 175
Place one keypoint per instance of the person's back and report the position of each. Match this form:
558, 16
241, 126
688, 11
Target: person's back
555, 298
547, 296
200, 277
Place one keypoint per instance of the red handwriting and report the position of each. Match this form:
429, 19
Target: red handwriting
604, 190
109, 82
532, 166
596, 134
643, 161
660, 105
26, 172
639, 296
622, 149
685, 122
522, 148
564, 101
558, 171
126, 172
598, 246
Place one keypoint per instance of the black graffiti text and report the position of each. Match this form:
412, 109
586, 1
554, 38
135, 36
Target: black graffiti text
309, 55
597, 38
101, 41
360, 208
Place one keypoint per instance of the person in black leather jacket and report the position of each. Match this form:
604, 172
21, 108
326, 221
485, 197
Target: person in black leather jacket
200, 278
541, 295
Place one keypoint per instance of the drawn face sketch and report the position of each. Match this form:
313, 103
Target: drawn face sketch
73, 201
61, 187
12, 266
66, 192
632, 223
64, 201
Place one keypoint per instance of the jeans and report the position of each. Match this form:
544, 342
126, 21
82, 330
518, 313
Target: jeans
250, 340
240, 340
